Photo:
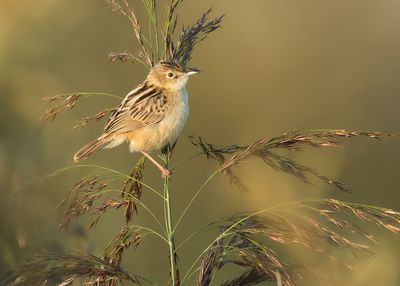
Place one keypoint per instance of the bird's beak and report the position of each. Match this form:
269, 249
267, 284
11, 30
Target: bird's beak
191, 71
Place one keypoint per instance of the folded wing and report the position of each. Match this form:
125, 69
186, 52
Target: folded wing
145, 105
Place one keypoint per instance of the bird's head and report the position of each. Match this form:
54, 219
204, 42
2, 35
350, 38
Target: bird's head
170, 74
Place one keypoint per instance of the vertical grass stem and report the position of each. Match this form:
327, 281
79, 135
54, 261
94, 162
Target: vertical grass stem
168, 226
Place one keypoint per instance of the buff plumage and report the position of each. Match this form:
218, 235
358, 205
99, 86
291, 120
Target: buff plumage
150, 116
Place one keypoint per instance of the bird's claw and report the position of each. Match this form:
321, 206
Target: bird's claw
165, 173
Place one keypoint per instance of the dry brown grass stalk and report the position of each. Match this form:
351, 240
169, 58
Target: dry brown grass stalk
82, 196
89, 192
123, 7
125, 239
66, 102
264, 149
95, 118
132, 189
194, 34
62, 102
64, 269
314, 224
122, 57
241, 249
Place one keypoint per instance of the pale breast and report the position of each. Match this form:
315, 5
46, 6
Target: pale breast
167, 130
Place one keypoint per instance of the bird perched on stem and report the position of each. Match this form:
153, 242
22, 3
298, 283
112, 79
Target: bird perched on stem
150, 116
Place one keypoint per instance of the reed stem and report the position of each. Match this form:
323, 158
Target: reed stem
168, 226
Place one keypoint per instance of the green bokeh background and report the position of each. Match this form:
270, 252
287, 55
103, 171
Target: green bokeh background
275, 66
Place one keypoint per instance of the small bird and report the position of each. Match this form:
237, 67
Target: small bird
150, 116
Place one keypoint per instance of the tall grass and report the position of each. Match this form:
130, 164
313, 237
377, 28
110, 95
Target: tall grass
246, 240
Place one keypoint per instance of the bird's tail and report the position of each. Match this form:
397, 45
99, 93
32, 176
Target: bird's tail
91, 147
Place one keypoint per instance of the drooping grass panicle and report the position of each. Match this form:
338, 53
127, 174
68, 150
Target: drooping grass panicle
94, 118
242, 250
383, 217
129, 198
89, 190
305, 222
314, 224
64, 269
292, 140
248, 278
65, 102
83, 196
210, 263
292, 167
109, 173
133, 189
125, 239
89, 195
264, 149
264, 263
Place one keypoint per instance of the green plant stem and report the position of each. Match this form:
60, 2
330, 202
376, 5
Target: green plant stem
170, 231
168, 225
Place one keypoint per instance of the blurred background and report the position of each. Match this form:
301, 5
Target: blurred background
274, 66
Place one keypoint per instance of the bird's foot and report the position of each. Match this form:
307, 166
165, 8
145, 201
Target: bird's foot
165, 173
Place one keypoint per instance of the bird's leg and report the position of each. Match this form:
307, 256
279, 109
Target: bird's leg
169, 149
164, 171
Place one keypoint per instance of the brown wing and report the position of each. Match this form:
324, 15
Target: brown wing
143, 106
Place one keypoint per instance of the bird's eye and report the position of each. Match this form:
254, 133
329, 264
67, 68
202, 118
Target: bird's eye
170, 75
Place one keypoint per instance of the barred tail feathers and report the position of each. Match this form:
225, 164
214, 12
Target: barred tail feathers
92, 147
